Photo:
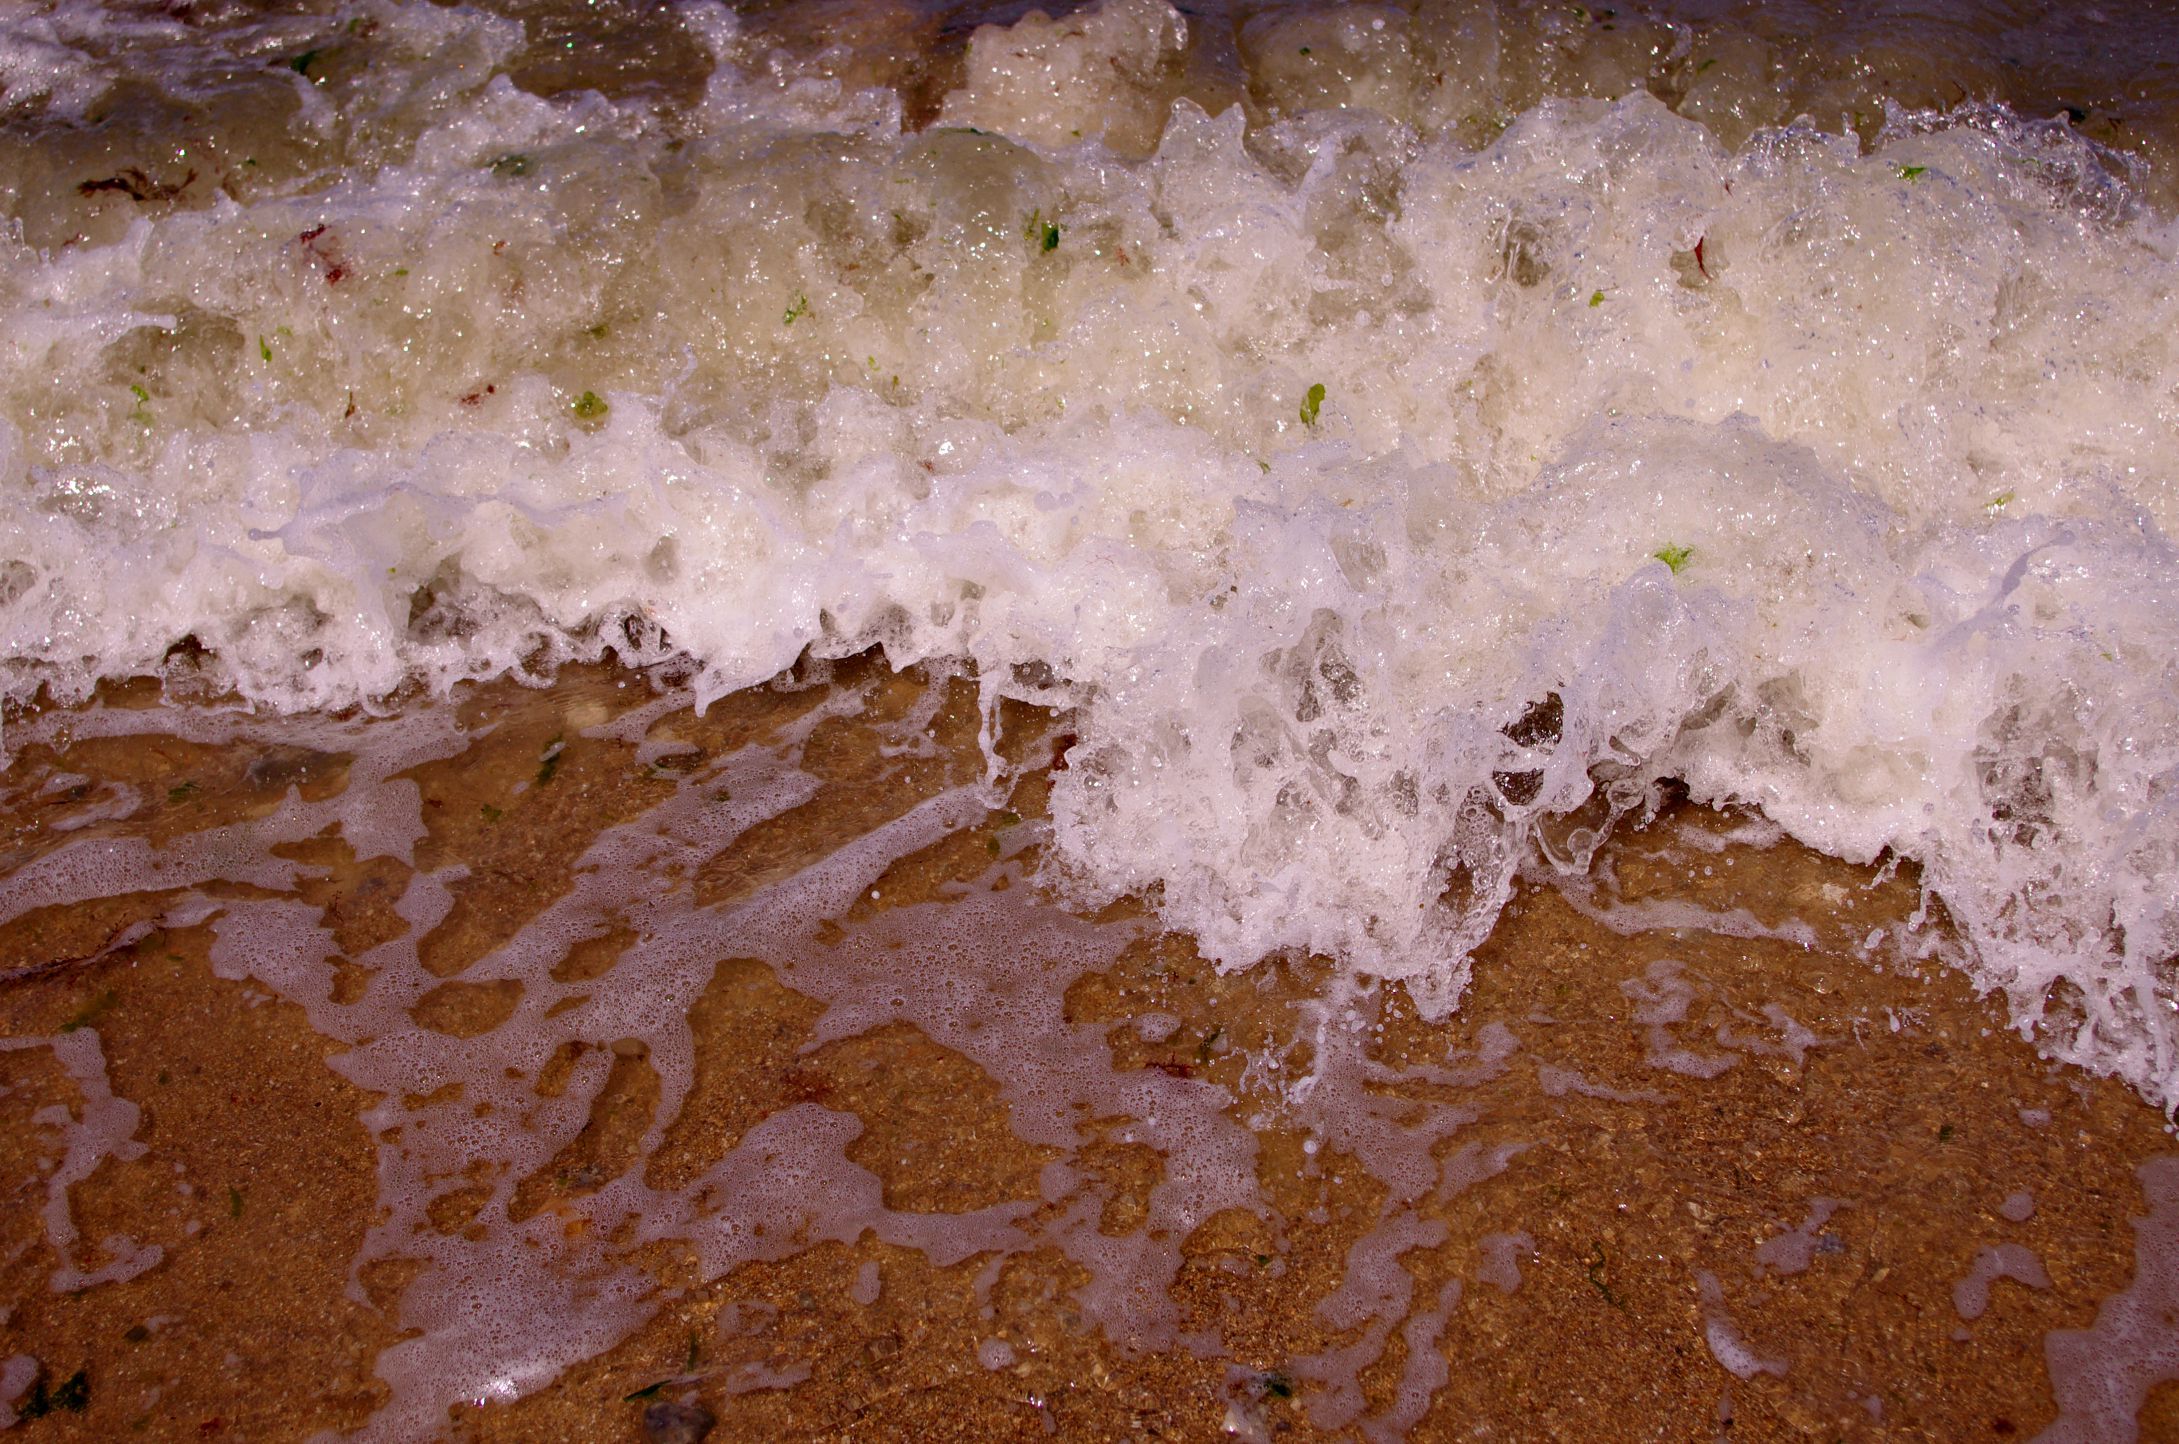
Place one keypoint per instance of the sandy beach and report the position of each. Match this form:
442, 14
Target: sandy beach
1822, 1200
904, 720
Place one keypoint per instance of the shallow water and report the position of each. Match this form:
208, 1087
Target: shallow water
491, 1071
1407, 446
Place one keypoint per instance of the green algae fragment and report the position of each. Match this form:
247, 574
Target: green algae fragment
1595, 1266
797, 311
1312, 403
1673, 555
1596, 298
590, 406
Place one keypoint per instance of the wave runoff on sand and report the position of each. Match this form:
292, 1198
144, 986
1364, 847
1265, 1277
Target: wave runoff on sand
1399, 441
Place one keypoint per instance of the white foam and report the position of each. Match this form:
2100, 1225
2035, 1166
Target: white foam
1792, 1252
17, 1373
1502, 1254
2101, 1375
1727, 1346
1971, 1295
1663, 995
102, 1126
1557, 1082
1908, 446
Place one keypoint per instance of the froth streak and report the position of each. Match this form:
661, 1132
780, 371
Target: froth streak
101, 1127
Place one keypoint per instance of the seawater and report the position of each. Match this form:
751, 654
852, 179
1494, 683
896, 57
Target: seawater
1403, 439
1400, 439
1827, 469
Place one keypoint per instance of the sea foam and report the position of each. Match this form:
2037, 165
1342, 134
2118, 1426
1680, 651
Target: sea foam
1826, 475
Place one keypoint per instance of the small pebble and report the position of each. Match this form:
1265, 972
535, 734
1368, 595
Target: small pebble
671, 1423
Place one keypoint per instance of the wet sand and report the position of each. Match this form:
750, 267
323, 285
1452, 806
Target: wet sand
1914, 1112
1717, 1145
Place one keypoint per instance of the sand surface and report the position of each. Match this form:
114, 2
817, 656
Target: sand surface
1932, 1131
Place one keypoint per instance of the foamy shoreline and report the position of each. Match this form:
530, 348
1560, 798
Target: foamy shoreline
1176, 677
614, 1055
1306, 436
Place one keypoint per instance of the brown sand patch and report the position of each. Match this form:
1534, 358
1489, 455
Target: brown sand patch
1571, 1280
